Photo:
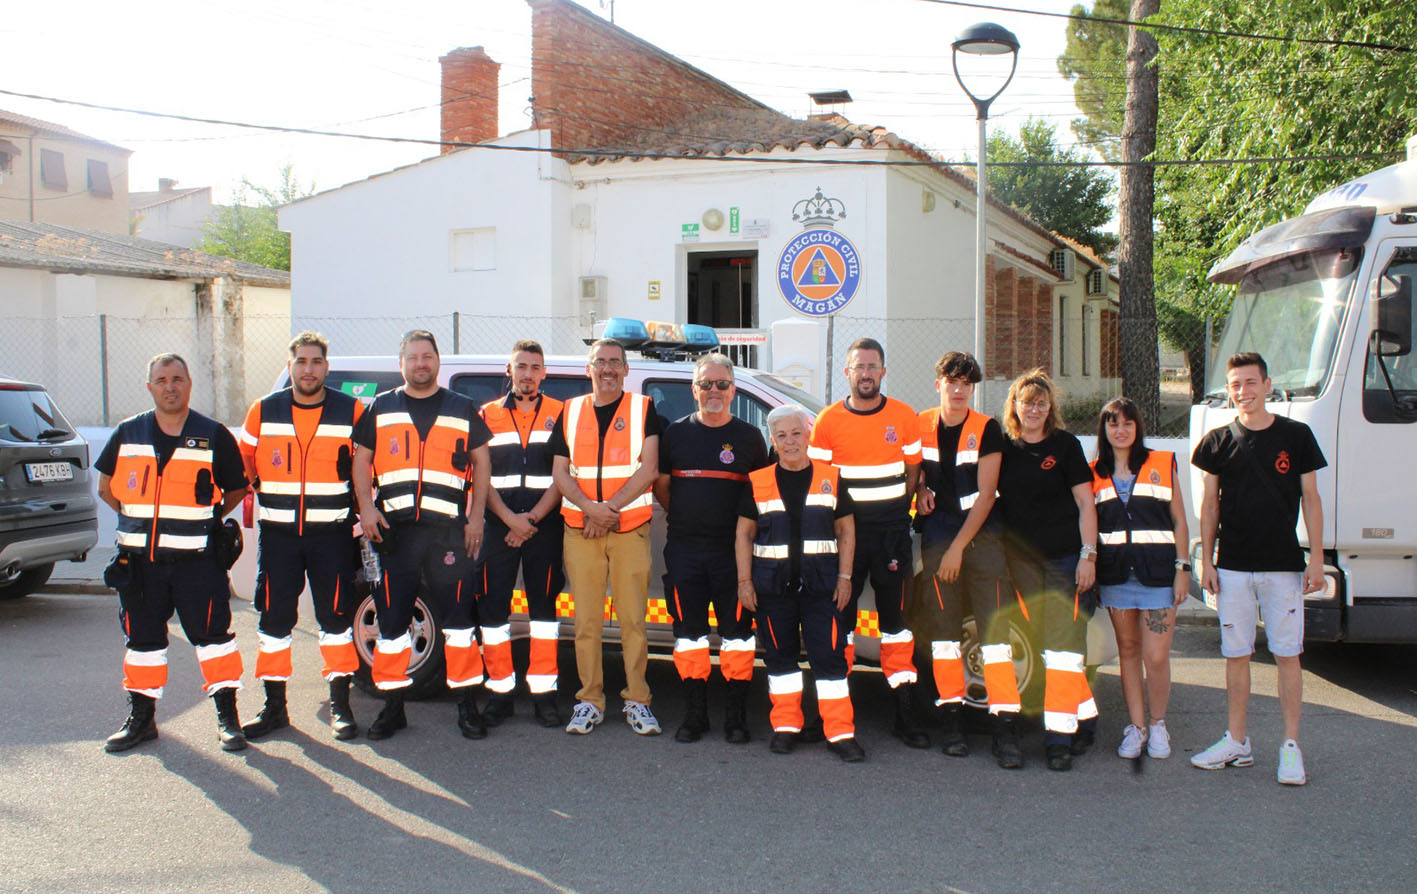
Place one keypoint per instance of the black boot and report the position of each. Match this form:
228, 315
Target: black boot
735, 716
1005, 746
848, 749
952, 741
140, 726
469, 721
1084, 738
1059, 758
904, 727
696, 721
391, 719
499, 707
228, 723
543, 706
273, 716
341, 716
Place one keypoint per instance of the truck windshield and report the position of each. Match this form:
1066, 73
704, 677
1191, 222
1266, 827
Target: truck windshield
1289, 311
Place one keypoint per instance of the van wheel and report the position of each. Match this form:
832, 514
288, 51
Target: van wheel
1028, 665
26, 582
426, 667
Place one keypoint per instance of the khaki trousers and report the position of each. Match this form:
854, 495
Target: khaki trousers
623, 561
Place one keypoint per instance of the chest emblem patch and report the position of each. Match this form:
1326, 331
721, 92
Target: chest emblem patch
619, 424
393, 446
826, 487
971, 443
276, 460
1281, 462
132, 480
1048, 463
550, 423
726, 456
1155, 477
891, 436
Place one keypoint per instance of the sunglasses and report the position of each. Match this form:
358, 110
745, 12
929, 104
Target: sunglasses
720, 384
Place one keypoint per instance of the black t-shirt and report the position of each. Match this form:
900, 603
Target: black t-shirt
1036, 484
792, 486
423, 412
1258, 533
228, 471
703, 508
603, 416
947, 512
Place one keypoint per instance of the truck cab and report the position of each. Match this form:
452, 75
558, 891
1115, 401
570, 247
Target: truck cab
1326, 299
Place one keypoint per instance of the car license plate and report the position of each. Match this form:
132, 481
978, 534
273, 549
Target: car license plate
39, 472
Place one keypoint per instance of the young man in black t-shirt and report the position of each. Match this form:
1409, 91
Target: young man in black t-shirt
1260, 473
704, 461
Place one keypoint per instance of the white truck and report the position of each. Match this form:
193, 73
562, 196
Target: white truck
1326, 299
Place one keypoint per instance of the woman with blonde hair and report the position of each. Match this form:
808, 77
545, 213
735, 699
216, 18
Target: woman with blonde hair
1142, 571
1045, 489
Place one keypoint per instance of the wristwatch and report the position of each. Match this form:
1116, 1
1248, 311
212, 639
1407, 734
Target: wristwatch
1183, 565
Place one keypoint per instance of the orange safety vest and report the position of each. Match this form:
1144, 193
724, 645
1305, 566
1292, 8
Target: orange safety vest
601, 468
772, 547
417, 479
304, 490
966, 471
521, 461
1139, 536
167, 512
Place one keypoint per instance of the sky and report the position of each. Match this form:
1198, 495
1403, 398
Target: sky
361, 66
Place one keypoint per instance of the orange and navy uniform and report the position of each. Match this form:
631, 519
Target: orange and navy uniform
298, 457
797, 610
950, 468
423, 454
601, 466
1139, 536
520, 450
170, 490
874, 449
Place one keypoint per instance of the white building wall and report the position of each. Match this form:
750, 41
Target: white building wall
176, 222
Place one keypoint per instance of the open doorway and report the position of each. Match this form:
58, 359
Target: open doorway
721, 294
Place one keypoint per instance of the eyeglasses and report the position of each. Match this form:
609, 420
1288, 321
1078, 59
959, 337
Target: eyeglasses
867, 368
607, 364
709, 384
1039, 405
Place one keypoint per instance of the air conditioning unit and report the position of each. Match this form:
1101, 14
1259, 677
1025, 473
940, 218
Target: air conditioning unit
1097, 283
594, 296
1062, 261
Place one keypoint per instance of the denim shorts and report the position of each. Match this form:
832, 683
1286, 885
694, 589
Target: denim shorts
1133, 594
1246, 596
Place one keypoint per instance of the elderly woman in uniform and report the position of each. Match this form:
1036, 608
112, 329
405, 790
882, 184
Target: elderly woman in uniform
795, 543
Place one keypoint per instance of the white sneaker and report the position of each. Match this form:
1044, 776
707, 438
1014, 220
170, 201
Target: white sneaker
1225, 753
1291, 764
584, 718
1158, 741
1132, 740
640, 719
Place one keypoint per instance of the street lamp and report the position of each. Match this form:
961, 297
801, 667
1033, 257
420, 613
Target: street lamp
982, 39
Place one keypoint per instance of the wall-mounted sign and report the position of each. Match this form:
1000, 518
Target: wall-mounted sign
742, 336
689, 232
819, 270
757, 228
654, 290
733, 220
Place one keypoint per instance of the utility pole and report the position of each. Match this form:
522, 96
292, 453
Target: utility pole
1137, 189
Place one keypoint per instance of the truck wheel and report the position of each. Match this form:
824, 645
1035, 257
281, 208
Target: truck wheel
1028, 665
26, 582
426, 665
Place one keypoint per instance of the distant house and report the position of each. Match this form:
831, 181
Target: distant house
51, 174
169, 214
83, 311
624, 199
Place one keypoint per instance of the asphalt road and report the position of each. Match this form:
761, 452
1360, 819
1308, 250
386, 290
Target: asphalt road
534, 809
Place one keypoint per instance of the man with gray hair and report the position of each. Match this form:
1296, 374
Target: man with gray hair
704, 461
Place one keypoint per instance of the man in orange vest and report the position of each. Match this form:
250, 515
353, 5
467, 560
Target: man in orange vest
606, 447
874, 441
424, 448
171, 474
524, 531
963, 552
298, 450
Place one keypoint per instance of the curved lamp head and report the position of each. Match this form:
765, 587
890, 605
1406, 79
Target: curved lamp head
985, 39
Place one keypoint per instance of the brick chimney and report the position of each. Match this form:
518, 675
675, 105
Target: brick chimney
469, 96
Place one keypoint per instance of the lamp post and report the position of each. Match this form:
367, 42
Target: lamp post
982, 39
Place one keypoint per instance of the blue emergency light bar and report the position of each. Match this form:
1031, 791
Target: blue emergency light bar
661, 340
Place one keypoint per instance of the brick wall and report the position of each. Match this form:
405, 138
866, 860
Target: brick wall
595, 85
1110, 350
469, 96
1018, 321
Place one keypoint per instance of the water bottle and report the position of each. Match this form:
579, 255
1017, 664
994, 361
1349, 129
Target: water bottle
370, 559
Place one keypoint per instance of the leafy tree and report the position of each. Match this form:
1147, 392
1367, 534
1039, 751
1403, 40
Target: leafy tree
1095, 60
1073, 201
246, 229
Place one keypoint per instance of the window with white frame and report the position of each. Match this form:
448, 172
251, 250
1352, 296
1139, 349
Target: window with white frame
473, 249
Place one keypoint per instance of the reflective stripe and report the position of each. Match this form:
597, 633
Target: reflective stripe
192, 455
1112, 538
443, 507
1155, 491
771, 506
180, 541
397, 476
217, 650
1068, 662
567, 504
281, 488
832, 689
269, 643
874, 494
279, 516
684, 644
931, 454
738, 645
966, 457
183, 513
540, 436
762, 551
545, 629
944, 650
538, 482
904, 636
326, 516
828, 500
899, 677
1087, 709
136, 450
821, 453
644, 499
277, 430
394, 646
132, 539
967, 501
997, 653
539, 683
592, 472
495, 636
456, 482
156, 658
248, 438
393, 504
336, 639
1107, 493
501, 481
141, 510
1153, 536
817, 547
1060, 722
454, 423
885, 470
337, 432
785, 684
384, 420
911, 449
461, 638
504, 439
326, 488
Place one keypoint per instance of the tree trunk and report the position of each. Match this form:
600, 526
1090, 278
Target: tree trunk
1137, 188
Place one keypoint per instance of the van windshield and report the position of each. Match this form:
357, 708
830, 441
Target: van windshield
1290, 312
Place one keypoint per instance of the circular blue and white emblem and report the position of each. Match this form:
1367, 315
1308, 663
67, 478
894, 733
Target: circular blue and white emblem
818, 272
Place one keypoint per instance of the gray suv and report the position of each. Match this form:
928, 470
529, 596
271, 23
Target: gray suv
48, 512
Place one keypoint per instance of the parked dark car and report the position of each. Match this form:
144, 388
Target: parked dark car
48, 512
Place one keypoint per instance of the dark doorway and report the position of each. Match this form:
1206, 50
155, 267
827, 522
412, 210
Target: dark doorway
721, 294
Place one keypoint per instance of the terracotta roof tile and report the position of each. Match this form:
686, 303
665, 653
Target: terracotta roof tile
50, 129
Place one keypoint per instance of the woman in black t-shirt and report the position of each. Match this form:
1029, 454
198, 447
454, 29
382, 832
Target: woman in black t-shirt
1045, 493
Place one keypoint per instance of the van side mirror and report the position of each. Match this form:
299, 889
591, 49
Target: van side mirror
1392, 334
